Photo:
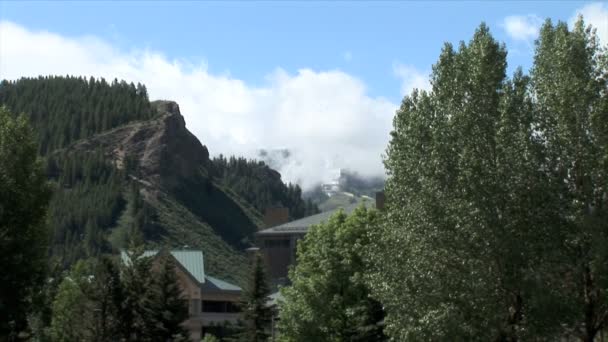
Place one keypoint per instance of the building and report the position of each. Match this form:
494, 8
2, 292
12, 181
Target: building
278, 242
211, 301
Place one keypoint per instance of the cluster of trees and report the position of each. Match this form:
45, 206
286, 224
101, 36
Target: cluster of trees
497, 221
261, 186
100, 300
64, 109
94, 203
496, 225
88, 199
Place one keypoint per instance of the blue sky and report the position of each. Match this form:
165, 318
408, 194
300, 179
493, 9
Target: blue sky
267, 74
248, 39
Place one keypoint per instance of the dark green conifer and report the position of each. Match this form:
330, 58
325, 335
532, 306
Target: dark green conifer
256, 312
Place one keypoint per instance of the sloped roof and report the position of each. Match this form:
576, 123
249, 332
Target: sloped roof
301, 225
192, 261
214, 284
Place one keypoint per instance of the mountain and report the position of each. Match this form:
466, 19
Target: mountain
125, 168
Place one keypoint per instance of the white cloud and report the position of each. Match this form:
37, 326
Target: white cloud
522, 28
325, 117
411, 78
596, 15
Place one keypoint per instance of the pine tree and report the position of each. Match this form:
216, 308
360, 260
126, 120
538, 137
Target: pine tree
168, 305
137, 311
256, 312
24, 196
106, 294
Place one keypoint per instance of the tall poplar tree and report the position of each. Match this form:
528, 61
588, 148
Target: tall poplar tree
461, 253
570, 85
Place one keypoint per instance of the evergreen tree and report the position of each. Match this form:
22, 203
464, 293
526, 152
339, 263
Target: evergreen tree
69, 312
74, 309
168, 305
24, 197
106, 294
256, 312
136, 323
261, 186
77, 108
329, 299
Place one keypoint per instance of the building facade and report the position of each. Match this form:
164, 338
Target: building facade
211, 301
278, 242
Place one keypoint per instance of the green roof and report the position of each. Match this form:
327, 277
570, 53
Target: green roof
214, 284
191, 261
301, 226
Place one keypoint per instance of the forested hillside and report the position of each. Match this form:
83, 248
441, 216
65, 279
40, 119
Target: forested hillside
123, 167
262, 186
65, 109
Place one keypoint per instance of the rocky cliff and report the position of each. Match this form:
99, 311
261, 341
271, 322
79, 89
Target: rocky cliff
173, 174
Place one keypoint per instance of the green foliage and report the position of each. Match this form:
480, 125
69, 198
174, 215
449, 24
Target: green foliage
213, 206
210, 338
186, 229
570, 86
65, 109
100, 301
95, 204
168, 308
69, 309
88, 303
256, 312
24, 196
329, 299
86, 204
261, 186
496, 226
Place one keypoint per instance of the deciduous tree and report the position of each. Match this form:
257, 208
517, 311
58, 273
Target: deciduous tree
471, 226
329, 299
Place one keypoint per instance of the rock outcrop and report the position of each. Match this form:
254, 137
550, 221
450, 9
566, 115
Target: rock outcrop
162, 150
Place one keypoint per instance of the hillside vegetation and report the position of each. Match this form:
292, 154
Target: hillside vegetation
123, 167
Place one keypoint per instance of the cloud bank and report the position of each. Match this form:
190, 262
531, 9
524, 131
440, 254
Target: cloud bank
522, 28
325, 118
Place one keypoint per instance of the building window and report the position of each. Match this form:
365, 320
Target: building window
220, 306
275, 243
